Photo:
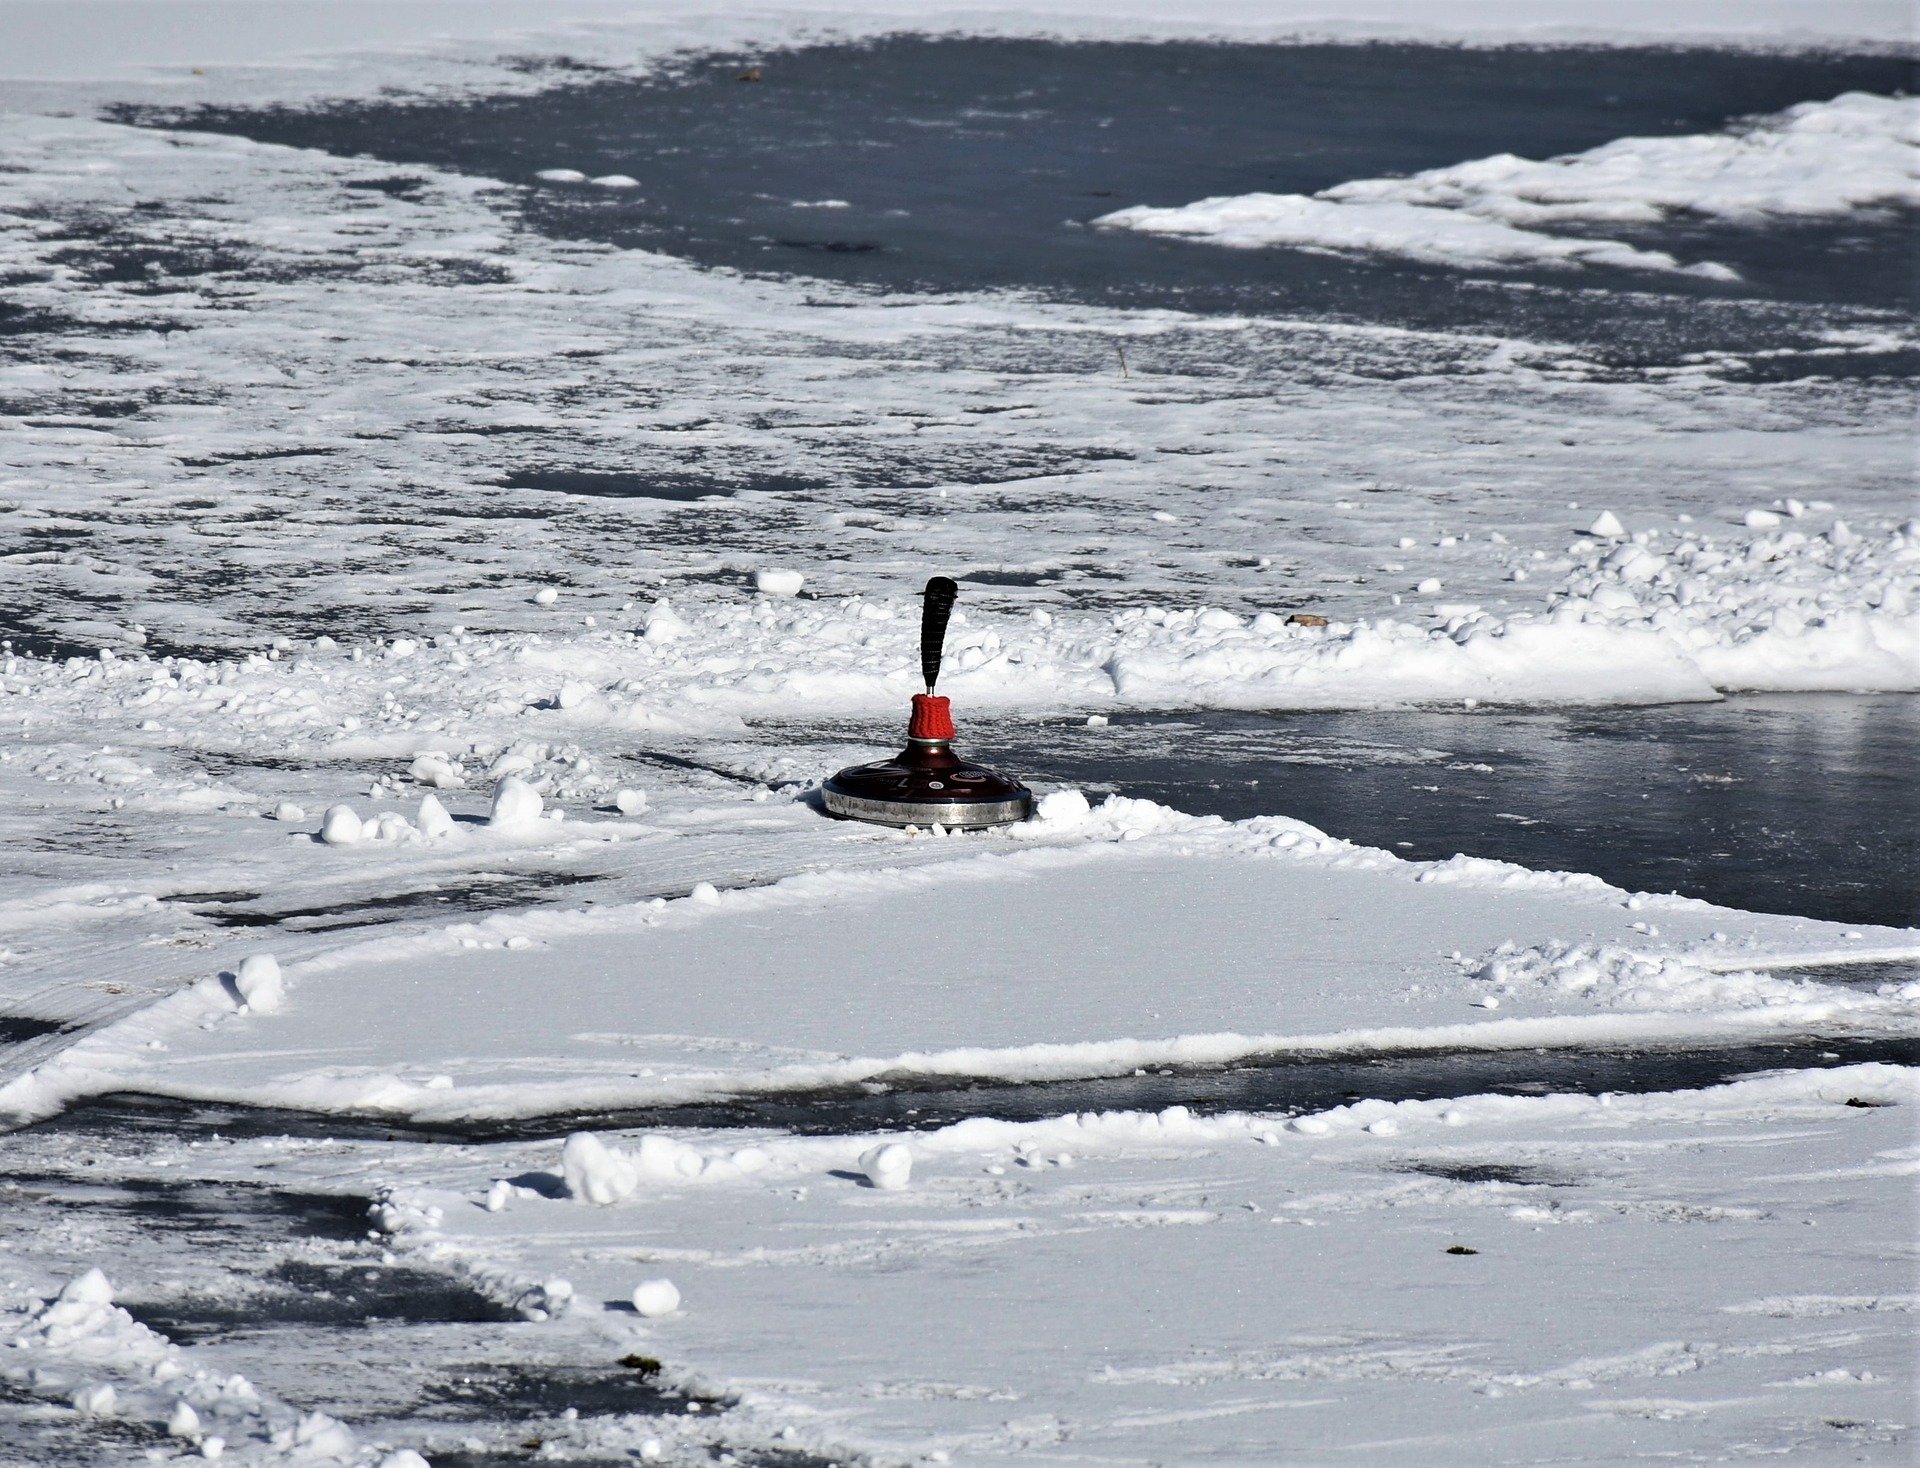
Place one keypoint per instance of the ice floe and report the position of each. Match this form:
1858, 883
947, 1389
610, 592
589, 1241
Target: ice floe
1818, 159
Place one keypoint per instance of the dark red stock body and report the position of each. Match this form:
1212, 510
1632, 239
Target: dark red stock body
927, 783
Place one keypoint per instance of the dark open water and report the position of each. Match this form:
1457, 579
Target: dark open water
1802, 803
969, 164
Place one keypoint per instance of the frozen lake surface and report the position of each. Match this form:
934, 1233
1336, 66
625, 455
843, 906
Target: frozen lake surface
943, 165
1345, 1085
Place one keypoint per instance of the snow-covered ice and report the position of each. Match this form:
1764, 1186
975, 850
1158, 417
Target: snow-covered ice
1834, 158
359, 761
1146, 938
1117, 1285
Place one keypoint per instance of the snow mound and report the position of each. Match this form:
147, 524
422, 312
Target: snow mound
516, 806
1622, 979
82, 1349
1818, 159
259, 982
1436, 236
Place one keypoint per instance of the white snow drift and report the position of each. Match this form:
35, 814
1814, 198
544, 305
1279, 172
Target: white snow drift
1818, 159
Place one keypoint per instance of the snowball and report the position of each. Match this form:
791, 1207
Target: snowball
546, 596
499, 1195
405, 1458
390, 826
888, 1166
1607, 525
1487, 1001
664, 624
90, 1288
213, 1447
323, 1437
1761, 520
1429, 586
435, 770
259, 982
97, 1400
1385, 1127
617, 181
561, 175
516, 804
705, 893
630, 802
433, 818
1063, 808
1311, 1126
286, 810
341, 827
185, 1422
1096, 721
595, 1172
776, 582
656, 1297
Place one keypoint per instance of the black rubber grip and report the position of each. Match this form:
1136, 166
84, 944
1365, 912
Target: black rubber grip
941, 591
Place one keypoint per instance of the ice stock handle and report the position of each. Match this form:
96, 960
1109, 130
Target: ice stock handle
941, 591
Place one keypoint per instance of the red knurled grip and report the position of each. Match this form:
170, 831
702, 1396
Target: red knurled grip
932, 717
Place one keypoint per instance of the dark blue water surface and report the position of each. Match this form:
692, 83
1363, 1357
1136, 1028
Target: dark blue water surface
1799, 803
970, 163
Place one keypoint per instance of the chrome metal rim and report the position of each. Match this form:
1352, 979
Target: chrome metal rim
949, 813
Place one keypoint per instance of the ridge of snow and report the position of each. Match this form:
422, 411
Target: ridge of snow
1817, 159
